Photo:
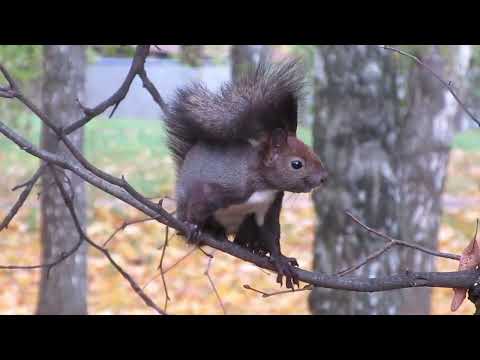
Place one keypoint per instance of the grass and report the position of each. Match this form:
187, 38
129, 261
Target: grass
468, 140
119, 138
137, 147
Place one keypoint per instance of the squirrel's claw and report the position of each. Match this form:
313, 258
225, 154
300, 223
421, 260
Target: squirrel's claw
284, 266
194, 234
292, 261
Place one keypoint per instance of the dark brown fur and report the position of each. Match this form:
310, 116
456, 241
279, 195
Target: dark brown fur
235, 153
261, 100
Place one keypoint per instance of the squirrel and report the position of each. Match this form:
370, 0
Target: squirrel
236, 153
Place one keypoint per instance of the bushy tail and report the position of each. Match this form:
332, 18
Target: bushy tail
264, 98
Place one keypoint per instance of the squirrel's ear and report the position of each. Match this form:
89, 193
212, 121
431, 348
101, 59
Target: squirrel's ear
278, 139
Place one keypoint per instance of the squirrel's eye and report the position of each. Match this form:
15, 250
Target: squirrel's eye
296, 164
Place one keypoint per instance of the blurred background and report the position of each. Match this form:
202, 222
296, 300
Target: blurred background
401, 154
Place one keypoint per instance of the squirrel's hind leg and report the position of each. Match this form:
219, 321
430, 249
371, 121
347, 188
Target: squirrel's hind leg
249, 236
266, 239
215, 229
198, 208
209, 227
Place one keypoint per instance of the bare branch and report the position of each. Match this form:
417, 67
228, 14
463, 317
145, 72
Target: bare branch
147, 84
370, 258
86, 110
137, 68
138, 62
63, 256
404, 243
163, 272
212, 284
463, 279
447, 85
160, 267
190, 252
11, 82
128, 223
7, 93
68, 202
290, 291
120, 189
22, 198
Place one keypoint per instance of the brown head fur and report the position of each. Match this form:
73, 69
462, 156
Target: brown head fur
290, 165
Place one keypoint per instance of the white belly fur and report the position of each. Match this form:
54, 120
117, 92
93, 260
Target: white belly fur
258, 203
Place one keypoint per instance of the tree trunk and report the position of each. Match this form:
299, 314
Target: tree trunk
383, 126
192, 55
241, 57
64, 289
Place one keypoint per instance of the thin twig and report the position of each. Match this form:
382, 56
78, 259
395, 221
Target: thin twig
22, 198
137, 66
86, 110
370, 258
164, 249
125, 224
447, 85
68, 202
147, 84
11, 82
190, 252
137, 63
212, 284
121, 190
26, 183
266, 295
63, 256
457, 279
404, 243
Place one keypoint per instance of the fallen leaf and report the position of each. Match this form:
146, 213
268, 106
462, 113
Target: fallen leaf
469, 260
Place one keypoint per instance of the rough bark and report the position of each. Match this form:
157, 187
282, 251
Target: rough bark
241, 57
64, 289
384, 132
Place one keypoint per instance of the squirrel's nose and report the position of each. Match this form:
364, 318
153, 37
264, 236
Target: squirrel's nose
319, 179
323, 177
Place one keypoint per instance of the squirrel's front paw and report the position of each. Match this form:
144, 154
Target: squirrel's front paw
194, 233
284, 266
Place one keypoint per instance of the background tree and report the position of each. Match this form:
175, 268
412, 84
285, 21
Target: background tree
25, 62
384, 126
241, 57
125, 191
192, 55
63, 290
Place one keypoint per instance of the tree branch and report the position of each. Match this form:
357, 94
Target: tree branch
434, 279
22, 198
212, 284
369, 259
124, 225
447, 85
138, 62
120, 189
68, 202
403, 243
290, 291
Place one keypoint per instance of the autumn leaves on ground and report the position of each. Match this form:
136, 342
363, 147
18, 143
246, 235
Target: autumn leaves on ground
135, 149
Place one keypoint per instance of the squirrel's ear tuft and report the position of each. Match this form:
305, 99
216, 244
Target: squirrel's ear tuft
278, 138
